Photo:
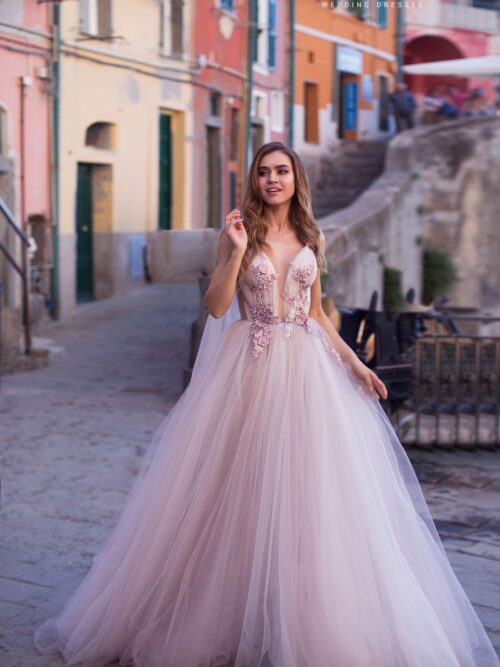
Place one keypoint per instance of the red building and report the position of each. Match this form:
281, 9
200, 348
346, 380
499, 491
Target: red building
220, 48
227, 34
444, 31
270, 73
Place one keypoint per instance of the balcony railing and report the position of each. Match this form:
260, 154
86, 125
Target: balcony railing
469, 18
455, 396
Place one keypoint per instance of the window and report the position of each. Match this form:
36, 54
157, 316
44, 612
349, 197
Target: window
382, 15
214, 103
96, 17
277, 110
258, 109
227, 5
235, 131
371, 11
264, 33
261, 35
172, 39
311, 123
271, 58
99, 135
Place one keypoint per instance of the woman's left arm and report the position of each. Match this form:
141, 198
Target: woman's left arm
368, 378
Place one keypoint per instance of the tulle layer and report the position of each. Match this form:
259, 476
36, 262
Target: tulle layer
276, 522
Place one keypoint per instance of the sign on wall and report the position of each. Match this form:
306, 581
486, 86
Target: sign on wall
349, 60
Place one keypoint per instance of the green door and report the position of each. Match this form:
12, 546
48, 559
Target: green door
84, 263
165, 173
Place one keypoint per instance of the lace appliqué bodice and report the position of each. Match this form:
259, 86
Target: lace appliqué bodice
260, 296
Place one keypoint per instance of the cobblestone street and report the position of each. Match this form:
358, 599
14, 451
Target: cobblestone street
73, 434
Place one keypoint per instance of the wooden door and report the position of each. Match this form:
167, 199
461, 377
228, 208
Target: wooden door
84, 240
165, 173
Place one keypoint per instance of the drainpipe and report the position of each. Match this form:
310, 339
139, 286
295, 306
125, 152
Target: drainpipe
400, 35
252, 6
291, 78
56, 55
25, 81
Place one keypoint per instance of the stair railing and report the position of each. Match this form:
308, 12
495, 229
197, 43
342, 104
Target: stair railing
21, 271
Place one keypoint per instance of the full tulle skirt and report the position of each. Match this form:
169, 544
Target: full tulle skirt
276, 521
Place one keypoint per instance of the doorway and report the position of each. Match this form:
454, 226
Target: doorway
348, 106
84, 235
95, 250
214, 185
165, 173
383, 113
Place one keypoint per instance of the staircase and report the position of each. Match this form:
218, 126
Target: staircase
345, 173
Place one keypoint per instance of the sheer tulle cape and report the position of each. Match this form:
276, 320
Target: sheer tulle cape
276, 522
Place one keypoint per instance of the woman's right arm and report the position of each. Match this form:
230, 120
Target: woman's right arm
230, 252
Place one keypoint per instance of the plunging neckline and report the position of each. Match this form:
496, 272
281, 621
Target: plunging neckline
289, 263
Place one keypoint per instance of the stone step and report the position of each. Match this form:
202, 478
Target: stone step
346, 173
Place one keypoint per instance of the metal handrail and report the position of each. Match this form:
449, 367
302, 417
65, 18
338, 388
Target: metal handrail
12, 222
21, 272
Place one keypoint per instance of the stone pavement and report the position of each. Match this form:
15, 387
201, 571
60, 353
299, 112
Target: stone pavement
73, 434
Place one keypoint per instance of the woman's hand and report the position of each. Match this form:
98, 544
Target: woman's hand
236, 231
370, 380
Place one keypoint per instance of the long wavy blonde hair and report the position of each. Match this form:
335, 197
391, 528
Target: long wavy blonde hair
300, 214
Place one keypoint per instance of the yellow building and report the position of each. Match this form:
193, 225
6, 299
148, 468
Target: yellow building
124, 125
345, 68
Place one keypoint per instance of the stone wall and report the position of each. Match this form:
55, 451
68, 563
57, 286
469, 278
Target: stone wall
179, 255
439, 187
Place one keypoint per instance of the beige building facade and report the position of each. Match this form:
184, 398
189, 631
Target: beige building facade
125, 123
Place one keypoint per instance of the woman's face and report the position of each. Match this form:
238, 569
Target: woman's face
275, 178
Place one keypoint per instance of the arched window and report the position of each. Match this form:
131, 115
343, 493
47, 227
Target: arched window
100, 135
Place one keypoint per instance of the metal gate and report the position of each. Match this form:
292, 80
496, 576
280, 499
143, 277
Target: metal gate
455, 393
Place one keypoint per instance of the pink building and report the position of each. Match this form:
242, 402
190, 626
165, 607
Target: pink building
444, 30
270, 89
25, 129
225, 130
220, 48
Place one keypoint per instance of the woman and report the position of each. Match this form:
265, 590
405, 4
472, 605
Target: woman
276, 521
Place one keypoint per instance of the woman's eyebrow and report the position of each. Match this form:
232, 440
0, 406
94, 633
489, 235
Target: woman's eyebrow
277, 166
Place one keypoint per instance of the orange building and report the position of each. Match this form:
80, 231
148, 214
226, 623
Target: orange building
345, 68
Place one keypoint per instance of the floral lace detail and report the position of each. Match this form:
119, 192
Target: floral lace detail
262, 313
297, 312
263, 278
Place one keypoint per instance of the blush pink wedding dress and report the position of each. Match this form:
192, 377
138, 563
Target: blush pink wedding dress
276, 520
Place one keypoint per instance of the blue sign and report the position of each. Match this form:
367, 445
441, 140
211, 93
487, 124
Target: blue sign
350, 105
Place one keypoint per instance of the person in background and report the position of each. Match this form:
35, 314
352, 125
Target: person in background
431, 103
448, 109
457, 97
403, 107
477, 104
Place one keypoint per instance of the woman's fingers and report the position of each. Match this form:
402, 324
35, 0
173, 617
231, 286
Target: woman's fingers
233, 216
378, 385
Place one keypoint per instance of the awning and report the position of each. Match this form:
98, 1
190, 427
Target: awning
484, 67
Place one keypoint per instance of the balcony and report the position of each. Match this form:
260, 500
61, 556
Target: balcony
469, 18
